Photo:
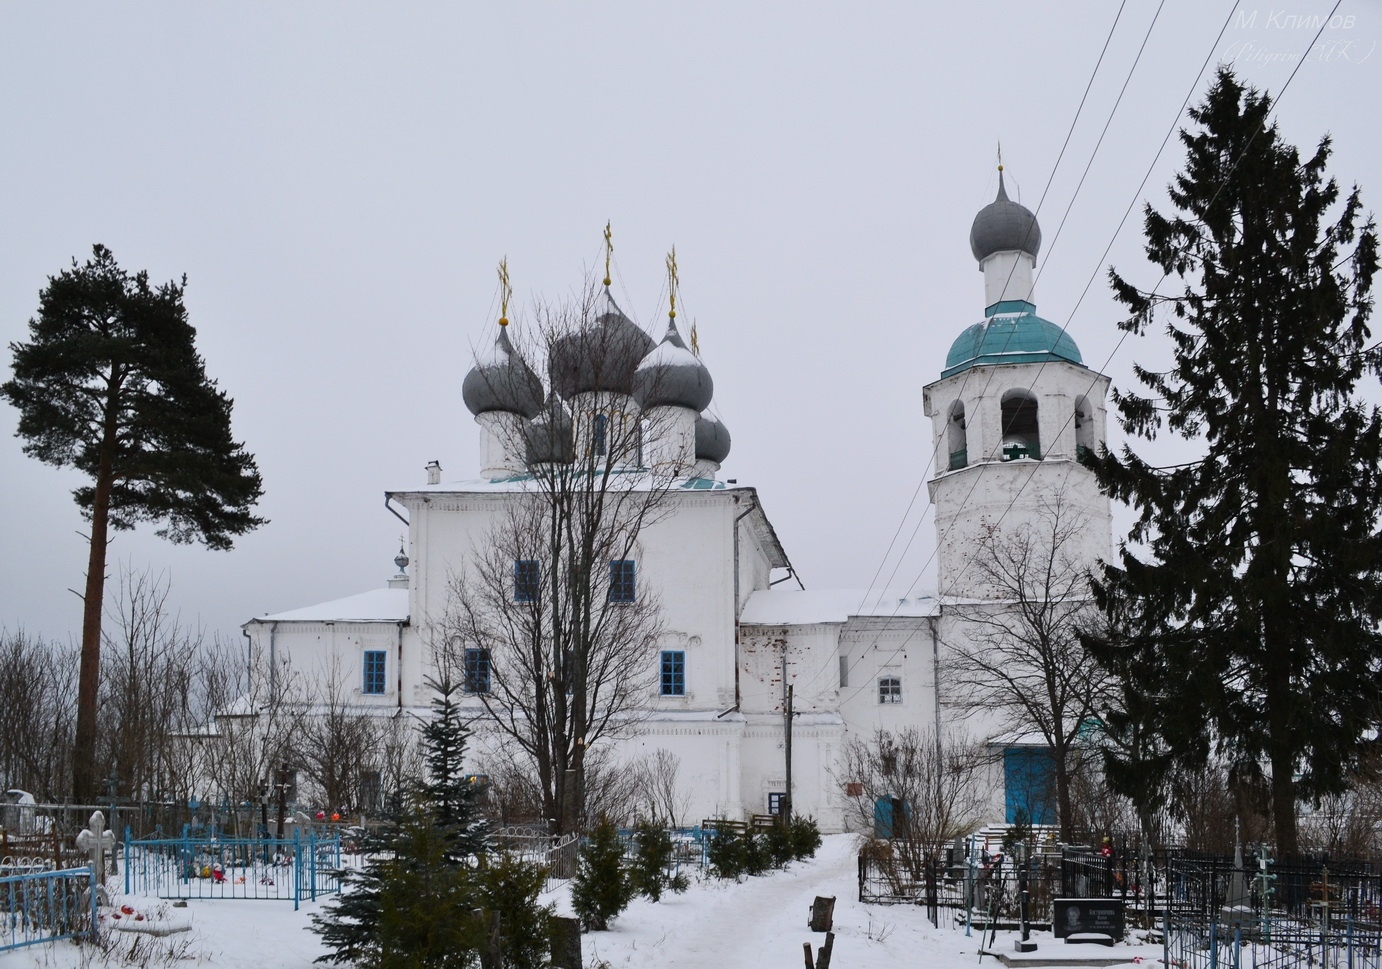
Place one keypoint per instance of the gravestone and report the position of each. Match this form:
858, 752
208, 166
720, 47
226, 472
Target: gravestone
566, 943
97, 841
1097, 920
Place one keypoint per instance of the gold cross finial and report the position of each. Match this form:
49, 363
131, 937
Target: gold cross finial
505, 291
695, 342
672, 282
609, 250
1000, 156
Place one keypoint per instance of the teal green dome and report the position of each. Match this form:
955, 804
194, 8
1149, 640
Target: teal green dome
1013, 333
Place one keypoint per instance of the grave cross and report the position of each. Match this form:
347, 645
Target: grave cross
96, 840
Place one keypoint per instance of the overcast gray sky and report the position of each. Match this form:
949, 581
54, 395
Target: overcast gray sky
339, 180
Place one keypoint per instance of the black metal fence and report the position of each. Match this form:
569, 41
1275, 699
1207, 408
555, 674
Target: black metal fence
982, 888
1213, 911
1223, 913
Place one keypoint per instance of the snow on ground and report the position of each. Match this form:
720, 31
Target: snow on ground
759, 923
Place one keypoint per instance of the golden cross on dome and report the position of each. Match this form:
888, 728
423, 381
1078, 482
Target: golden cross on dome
505, 291
609, 250
672, 282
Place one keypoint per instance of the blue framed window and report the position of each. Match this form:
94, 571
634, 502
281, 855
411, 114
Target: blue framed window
527, 579
374, 681
890, 689
477, 671
599, 434
673, 672
775, 799
622, 585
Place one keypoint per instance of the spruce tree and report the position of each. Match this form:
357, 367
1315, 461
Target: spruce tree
1248, 599
418, 899
110, 383
602, 887
449, 792
653, 860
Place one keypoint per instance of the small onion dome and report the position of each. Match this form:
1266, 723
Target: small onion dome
549, 437
672, 375
502, 381
712, 440
1004, 225
601, 355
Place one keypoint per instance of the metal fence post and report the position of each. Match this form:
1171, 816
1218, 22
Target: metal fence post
297, 868
126, 850
1213, 941
95, 904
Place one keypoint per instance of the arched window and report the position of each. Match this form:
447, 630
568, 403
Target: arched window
1021, 439
598, 435
957, 438
1085, 441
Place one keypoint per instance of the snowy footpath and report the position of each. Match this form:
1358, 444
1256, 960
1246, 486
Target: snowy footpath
759, 923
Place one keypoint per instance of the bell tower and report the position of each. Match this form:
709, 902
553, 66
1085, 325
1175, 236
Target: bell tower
1013, 406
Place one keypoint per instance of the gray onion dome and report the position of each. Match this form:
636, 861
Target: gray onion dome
1003, 225
672, 375
601, 355
712, 440
549, 436
502, 381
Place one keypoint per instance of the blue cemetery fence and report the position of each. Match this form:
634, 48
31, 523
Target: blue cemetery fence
44, 906
296, 869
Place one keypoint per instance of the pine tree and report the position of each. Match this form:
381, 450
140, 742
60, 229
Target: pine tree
111, 384
1249, 596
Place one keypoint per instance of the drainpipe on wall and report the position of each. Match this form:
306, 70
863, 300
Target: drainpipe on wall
936, 684
737, 520
388, 498
249, 646
273, 662
400, 665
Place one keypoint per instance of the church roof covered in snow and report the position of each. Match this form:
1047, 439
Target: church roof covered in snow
807, 607
377, 605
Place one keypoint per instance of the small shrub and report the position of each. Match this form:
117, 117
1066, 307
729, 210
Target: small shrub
778, 844
727, 854
805, 837
511, 888
602, 888
734, 854
654, 858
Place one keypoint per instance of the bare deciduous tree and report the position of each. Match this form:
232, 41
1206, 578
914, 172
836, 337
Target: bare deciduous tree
37, 714
939, 783
1019, 658
339, 745
259, 710
149, 688
662, 800
556, 631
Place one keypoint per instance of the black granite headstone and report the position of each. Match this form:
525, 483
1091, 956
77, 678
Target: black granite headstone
1088, 917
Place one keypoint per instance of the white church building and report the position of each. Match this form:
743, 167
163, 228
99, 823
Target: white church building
1010, 411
